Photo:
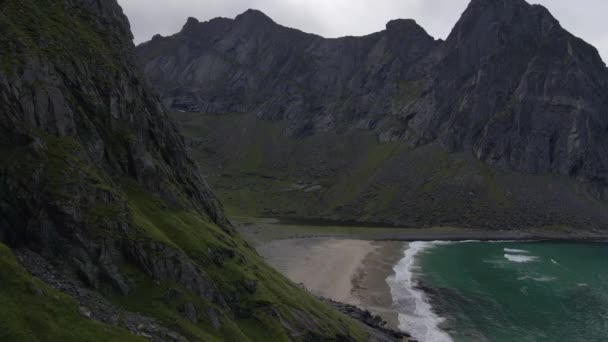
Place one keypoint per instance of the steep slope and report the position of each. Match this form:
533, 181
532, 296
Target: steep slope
525, 93
99, 199
509, 89
31, 311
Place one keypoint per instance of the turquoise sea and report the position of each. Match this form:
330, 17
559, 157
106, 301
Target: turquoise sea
503, 291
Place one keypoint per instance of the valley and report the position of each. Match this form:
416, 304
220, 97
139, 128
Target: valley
258, 171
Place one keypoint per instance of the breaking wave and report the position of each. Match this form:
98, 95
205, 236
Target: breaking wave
416, 313
511, 250
520, 258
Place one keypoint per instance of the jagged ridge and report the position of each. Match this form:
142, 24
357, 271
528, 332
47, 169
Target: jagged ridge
509, 86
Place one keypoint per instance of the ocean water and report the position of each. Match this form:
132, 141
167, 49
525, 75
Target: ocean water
503, 291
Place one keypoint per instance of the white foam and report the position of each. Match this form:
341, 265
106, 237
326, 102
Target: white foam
415, 312
521, 258
541, 279
511, 250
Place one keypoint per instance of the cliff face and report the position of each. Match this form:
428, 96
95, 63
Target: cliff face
251, 64
97, 193
509, 85
77, 124
524, 94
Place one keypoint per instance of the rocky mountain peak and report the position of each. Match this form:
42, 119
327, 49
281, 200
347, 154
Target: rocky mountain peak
405, 27
483, 16
192, 21
253, 16
191, 25
402, 24
496, 27
501, 5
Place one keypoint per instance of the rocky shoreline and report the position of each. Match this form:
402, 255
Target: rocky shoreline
376, 322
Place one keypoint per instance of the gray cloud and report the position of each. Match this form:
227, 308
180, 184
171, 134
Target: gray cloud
335, 18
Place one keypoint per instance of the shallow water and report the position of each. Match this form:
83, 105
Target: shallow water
503, 291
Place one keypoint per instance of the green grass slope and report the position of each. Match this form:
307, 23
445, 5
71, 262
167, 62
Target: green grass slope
274, 306
259, 171
31, 311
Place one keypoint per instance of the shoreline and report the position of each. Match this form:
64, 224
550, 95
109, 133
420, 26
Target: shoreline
460, 233
417, 310
262, 230
370, 284
348, 271
355, 269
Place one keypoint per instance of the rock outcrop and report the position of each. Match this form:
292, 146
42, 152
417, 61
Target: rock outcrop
509, 85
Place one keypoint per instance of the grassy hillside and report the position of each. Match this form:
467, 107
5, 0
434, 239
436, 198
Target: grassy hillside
263, 304
258, 171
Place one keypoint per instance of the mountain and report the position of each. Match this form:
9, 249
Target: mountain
502, 125
108, 231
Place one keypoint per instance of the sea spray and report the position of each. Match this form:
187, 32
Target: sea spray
416, 315
512, 250
521, 258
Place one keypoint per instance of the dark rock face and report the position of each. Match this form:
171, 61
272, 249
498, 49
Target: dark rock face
165, 263
524, 93
76, 124
251, 64
508, 85
76, 121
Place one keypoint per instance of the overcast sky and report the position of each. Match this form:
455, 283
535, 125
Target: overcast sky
336, 18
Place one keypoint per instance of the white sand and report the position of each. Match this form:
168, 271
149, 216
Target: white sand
326, 267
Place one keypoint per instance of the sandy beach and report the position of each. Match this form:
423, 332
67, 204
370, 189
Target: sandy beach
345, 270
351, 264
370, 286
